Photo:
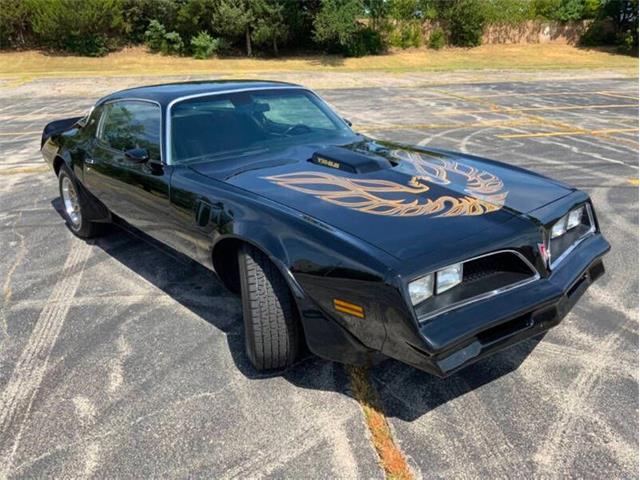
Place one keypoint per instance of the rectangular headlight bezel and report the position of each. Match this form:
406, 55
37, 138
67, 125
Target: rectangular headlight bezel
587, 224
574, 217
559, 228
421, 289
449, 277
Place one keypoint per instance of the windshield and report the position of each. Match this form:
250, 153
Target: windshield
241, 123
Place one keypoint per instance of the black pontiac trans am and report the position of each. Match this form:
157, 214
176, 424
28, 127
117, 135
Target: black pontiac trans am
361, 249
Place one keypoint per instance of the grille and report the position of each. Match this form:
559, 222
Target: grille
492, 265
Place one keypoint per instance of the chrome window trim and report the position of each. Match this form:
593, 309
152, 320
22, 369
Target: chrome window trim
573, 246
85, 120
132, 99
483, 296
223, 92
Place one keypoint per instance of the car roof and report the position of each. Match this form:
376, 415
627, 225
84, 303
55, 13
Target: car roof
165, 93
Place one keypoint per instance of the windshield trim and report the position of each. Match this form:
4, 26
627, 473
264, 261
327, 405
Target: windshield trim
223, 92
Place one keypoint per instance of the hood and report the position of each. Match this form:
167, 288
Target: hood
401, 199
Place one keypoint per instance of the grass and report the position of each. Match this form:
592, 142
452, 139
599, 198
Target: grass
137, 61
390, 457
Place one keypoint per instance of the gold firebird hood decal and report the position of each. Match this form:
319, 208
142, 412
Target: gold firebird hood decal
485, 191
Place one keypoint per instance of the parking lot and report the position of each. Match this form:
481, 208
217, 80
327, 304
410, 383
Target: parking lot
120, 360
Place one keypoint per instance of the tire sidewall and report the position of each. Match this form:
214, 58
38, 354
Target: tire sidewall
249, 331
255, 321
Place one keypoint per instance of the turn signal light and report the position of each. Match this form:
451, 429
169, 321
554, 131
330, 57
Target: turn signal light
348, 308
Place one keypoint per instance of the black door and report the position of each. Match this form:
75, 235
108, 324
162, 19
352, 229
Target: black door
135, 190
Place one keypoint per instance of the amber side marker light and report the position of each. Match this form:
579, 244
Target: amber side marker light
347, 307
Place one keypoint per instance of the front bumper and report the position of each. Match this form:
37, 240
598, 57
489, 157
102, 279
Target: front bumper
460, 337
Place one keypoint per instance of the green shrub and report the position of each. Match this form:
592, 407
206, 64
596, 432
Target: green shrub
566, 10
154, 36
436, 39
628, 42
137, 14
172, 44
509, 12
466, 22
88, 27
600, 32
406, 35
159, 40
204, 45
366, 41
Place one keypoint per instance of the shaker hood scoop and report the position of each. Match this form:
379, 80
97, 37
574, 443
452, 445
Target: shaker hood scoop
390, 196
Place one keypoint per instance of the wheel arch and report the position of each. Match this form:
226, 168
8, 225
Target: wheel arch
58, 161
224, 259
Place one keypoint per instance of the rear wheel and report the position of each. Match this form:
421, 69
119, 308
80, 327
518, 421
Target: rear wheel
74, 206
272, 330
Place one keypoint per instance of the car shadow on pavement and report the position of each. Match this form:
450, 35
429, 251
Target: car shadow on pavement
406, 393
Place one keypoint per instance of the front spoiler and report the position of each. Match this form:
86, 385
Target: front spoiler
461, 337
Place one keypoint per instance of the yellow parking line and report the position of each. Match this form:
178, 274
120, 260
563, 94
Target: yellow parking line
535, 94
505, 110
566, 133
634, 181
616, 95
429, 126
22, 170
9, 134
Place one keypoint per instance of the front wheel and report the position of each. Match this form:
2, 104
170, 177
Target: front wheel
74, 206
272, 329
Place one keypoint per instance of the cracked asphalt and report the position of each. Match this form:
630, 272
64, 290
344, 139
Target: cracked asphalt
118, 360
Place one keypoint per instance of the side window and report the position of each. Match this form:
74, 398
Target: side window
131, 124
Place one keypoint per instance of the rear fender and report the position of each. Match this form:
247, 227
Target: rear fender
95, 211
57, 127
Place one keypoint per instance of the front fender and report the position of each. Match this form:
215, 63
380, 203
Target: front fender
320, 264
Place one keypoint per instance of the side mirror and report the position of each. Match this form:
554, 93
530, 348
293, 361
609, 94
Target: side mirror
348, 122
137, 155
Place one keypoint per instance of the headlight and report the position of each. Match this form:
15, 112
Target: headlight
448, 277
445, 279
575, 217
421, 289
559, 228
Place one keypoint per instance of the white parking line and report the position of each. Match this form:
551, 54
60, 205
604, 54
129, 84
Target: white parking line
31, 367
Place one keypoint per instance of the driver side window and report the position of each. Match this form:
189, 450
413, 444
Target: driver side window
131, 124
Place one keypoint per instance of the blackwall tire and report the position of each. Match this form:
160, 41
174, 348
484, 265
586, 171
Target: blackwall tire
272, 327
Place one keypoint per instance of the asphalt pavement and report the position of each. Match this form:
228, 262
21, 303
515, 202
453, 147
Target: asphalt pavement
119, 360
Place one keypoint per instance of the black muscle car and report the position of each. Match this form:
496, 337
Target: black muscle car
363, 249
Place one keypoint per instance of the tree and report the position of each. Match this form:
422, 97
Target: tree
88, 27
403, 10
234, 18
377, 11
195, 16
299, 16
138, 13
270, 26
336, 24
15, 27
466, 22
